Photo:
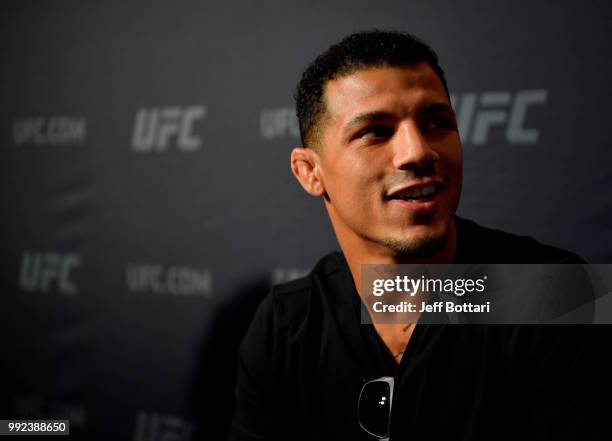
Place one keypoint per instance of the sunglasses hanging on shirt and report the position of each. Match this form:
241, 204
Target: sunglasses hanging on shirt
374, 407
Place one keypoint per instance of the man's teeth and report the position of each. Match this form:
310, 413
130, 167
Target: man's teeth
418, 193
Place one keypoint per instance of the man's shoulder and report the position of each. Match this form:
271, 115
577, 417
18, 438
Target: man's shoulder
488, 245
326, 266
289, 300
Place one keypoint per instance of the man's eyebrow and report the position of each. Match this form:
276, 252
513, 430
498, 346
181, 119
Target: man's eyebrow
369, 117
437, 108
381, 115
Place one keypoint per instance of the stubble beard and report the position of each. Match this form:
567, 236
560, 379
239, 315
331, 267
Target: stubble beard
421, 247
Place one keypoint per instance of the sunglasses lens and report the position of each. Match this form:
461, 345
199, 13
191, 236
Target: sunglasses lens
374, 407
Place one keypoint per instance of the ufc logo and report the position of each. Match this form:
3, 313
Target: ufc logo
54, 130
278, 123
40, 270
156, 128
157, 427
282, 274
477, 114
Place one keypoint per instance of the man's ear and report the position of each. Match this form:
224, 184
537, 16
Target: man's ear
305, 167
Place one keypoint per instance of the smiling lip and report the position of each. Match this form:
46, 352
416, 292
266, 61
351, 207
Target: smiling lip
424, 205
410, 188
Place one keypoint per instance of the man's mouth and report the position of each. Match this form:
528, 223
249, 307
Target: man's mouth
417, 193
424, 193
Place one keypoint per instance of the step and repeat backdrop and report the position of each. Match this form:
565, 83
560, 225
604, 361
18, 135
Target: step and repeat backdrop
147, 203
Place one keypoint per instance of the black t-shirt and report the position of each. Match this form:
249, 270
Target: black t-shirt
306, 356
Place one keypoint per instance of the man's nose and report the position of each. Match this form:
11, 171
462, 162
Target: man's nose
412, 149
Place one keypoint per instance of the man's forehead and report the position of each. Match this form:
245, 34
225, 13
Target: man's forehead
419, 86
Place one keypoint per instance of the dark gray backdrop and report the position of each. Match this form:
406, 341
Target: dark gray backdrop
147, 202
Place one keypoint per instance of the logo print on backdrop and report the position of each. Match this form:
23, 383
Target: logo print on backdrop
279, 123
173, 280
156, 129
39, 271
36, 407
52, 130
281, 274
477, 113
157, 427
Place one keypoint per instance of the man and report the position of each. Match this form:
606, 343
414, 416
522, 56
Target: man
381, 148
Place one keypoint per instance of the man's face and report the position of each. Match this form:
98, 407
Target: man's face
390, 159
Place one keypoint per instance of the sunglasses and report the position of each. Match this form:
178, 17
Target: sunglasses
374, 407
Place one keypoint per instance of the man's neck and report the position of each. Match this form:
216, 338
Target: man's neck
396, 335
358, 253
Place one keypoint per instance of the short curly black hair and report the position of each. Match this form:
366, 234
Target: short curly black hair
358, 51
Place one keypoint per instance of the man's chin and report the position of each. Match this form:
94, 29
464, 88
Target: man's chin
421, 244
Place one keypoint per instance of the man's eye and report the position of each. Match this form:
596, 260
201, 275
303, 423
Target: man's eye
439, 122
375, 132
